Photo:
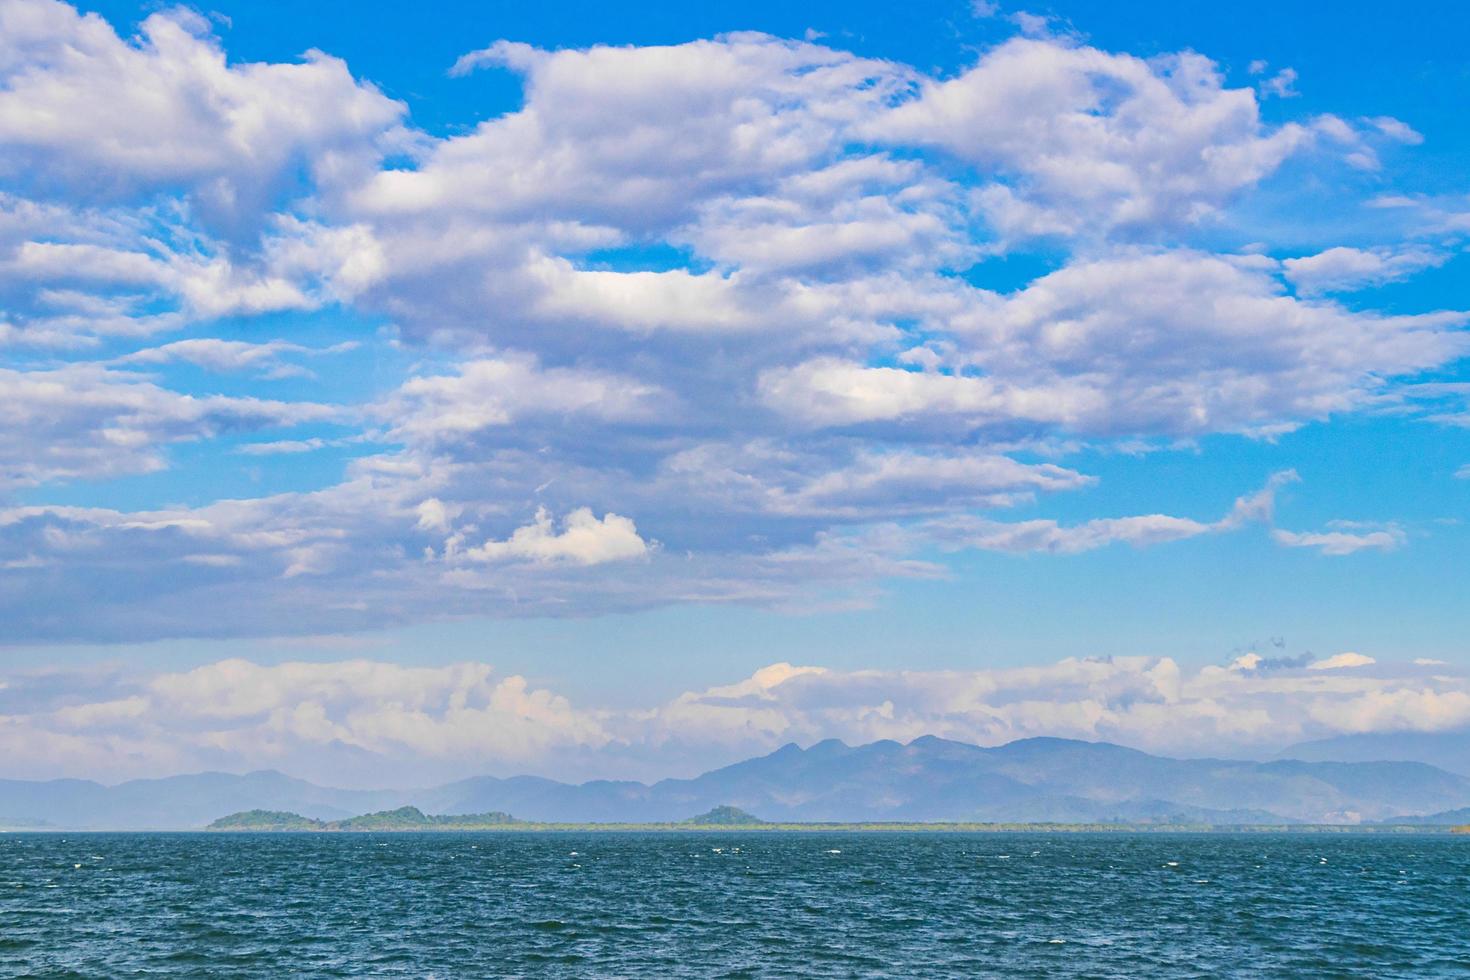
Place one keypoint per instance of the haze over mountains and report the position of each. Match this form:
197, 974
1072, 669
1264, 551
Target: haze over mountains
1447, 750
929, 779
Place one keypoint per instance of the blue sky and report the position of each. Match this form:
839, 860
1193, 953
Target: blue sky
575, 364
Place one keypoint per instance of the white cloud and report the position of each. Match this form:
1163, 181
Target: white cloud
493, 392
1342, 542
85, 422
1342, 661
280, 447
1281, 85
632, 135
1162, 343
84, 110
1397, 130
1049, 536
232, 355
1344, 269
1140, 532
829, 391
583, 540
1096, 140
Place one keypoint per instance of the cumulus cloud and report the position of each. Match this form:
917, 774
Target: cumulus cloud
493, 392
1343, 269
1092, 140
1175, 342
86, 112
583, 540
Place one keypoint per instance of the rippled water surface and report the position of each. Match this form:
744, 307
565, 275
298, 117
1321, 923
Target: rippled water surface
732, 904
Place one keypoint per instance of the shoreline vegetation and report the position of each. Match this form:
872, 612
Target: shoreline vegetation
411, 819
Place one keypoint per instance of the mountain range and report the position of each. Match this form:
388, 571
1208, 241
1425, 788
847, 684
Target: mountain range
928, 779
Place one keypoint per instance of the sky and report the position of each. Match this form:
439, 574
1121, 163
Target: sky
405, 392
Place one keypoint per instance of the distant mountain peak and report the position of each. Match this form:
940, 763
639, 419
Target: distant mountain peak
828, 745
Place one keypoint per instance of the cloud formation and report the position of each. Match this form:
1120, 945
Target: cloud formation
744, 297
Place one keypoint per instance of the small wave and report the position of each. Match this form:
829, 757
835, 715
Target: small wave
834, 851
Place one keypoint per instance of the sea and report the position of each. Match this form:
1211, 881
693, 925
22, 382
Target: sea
735, 904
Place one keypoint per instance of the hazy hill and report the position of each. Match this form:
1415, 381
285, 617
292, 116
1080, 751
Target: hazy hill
1447, 818
1039, 779
725, 816
1447, 750
178, 801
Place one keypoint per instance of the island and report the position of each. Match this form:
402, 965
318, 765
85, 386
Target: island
403, 818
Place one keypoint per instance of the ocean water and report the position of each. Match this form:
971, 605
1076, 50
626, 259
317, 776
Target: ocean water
714, 904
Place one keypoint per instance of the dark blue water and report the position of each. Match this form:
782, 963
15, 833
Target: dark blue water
734, 905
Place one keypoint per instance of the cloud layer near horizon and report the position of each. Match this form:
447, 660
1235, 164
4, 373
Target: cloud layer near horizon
367, 722
711, 322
